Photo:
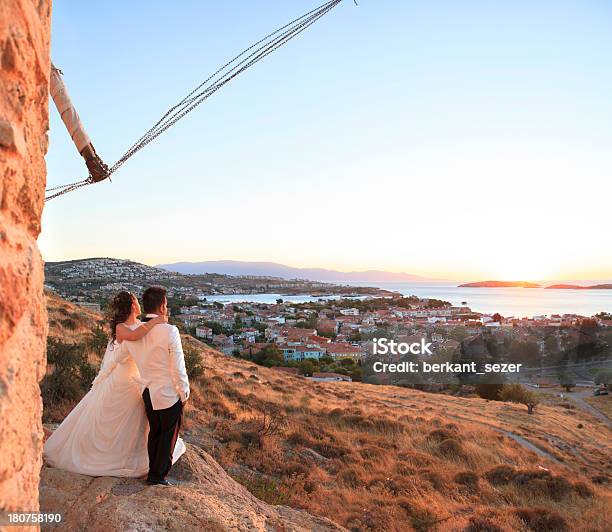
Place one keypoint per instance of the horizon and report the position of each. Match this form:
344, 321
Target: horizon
445, 140
425, 279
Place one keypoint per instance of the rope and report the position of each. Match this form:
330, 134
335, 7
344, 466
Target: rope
230, 70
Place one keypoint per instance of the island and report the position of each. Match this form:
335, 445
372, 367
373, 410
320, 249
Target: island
578, 287
500, 284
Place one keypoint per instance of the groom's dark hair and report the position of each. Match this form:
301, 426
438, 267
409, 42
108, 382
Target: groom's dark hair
153, 298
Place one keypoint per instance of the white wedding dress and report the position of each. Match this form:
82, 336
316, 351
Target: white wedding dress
106, 433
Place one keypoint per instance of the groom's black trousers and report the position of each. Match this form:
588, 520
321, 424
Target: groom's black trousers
164, 428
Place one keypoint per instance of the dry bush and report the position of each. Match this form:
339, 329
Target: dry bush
451, 449
351, 478
583, 490
439, 435
541, 520
219, 408
421, 518
468, 480
481, 524
501, 474
436, 480
265, 489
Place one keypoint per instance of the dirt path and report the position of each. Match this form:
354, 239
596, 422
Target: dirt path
518, 439
577, 398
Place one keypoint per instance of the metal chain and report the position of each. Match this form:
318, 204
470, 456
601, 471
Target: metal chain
265, 47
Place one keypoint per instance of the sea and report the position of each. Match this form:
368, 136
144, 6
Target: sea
517, 302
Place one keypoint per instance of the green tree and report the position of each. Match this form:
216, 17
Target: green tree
215, 326
193, 362
516, 393
269, 356
567, 381
307, 367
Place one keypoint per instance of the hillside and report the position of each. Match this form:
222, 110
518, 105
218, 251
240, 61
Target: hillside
274, 269
366, 457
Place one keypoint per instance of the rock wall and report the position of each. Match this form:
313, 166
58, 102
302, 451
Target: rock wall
24, 80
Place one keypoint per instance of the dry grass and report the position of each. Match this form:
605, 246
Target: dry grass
380, 458
392, 459
603, 403
69, 322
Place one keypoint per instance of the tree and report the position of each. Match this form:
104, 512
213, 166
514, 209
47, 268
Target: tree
215, 326
567, 381
269, 356
306, 367
193, 362
516, 393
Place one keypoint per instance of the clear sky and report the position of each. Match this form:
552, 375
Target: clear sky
464, 140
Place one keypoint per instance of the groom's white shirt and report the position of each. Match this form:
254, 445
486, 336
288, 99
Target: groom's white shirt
161, 363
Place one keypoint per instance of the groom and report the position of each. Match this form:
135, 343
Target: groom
160, 360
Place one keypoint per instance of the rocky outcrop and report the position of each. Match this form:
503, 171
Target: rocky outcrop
24, 77
205, 498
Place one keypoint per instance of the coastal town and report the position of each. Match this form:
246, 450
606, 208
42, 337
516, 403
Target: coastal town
343, 330
95, 280
335, 330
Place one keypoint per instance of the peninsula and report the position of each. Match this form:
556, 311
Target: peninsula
578, 287
500, 284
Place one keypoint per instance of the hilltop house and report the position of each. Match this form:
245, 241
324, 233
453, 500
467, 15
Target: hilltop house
204, 332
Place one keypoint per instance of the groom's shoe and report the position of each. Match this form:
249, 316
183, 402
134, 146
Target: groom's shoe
162, 482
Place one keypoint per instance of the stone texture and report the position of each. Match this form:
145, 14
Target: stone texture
206, 498
24, 69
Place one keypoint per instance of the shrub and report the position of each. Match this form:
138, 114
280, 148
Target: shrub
542, 520
481, 524
72, 374
69, 323
193, 362
501, 474
583, 490
350, 478
264, 489
489, 390
451, 449
421, 518
440, 435
467, 479
519, 394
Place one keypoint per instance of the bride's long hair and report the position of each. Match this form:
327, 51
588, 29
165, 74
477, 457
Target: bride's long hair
119, 310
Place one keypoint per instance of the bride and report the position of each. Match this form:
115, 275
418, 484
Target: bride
106, 433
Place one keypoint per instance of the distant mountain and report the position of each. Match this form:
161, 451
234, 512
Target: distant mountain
500, 284
578, 287
273, 269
